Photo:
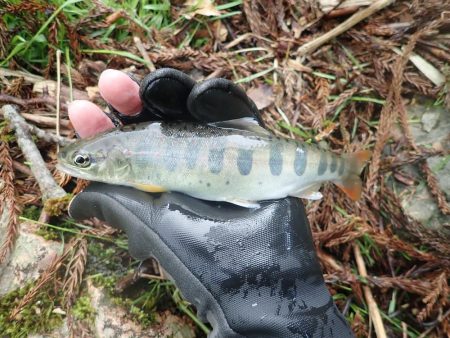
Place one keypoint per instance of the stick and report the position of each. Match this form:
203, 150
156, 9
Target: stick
45, 121
144, 53
373, 308
58, 92
47, 184
48, 136
27, 102
311, 46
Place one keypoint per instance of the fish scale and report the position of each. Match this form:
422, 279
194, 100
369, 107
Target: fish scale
233, 161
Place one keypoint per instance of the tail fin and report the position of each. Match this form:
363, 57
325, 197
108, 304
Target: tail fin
350, 182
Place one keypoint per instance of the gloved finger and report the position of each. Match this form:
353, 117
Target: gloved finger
220, 100
164, 92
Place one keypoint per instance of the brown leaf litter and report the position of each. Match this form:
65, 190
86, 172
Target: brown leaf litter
349, 94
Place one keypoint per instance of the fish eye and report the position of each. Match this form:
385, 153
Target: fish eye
82, 160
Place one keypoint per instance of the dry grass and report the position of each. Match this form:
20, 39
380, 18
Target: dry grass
351, 94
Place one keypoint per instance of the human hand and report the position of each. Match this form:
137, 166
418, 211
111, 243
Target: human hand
249, 272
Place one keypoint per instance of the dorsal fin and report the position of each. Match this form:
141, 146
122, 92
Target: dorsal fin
245, 123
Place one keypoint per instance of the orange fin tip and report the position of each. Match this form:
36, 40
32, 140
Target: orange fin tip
351, 186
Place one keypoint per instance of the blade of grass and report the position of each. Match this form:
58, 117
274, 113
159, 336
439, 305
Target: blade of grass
183, 306
116, 52
69, 73
27, 44
229, 5
324, 75
255, 76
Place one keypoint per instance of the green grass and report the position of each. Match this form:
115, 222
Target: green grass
31, 42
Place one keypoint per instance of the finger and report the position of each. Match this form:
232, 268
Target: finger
119, 90
165, 91
87, 118
220, 100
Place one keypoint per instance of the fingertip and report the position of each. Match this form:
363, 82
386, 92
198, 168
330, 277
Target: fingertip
120, 91
87, 118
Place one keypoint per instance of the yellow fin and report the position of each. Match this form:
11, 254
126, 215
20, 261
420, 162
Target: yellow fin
150, 188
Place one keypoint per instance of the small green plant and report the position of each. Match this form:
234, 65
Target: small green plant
83, 310
37, 316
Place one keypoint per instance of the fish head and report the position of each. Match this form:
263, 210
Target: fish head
102, 159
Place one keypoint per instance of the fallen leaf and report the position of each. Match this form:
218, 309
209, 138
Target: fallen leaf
261, 95
93, 92
110, 19
431, 72
59, 311
200, 7
219, 30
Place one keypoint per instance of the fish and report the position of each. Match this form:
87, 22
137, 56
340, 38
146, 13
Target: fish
234, 161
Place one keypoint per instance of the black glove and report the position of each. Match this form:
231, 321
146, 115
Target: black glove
249, 272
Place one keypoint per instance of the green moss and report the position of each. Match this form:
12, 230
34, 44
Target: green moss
36, 317
31, 212
56, 206
83, 310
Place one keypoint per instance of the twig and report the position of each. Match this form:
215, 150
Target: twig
42, 120
373, 308
22, 168
47, 184
58, 91
28, 102
144, 53
48, 136
311, 46
17, 73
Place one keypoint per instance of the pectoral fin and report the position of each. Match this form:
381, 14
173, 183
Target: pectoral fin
150, 188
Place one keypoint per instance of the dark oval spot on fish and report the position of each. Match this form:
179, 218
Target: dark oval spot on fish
300, 160
323, 163
215, 160
334, 162
276, 159
171, 156
245, 161
341, 167
191, 153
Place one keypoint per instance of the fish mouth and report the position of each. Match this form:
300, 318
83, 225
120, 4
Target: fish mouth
72, 172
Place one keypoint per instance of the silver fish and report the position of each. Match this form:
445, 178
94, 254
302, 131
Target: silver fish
234, 161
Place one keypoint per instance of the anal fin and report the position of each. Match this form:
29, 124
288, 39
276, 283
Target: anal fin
311, 192
245, 203
351, 186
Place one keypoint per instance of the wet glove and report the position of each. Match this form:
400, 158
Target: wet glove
249, 272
